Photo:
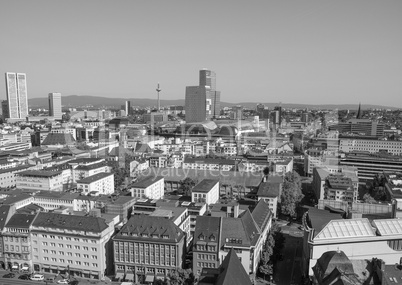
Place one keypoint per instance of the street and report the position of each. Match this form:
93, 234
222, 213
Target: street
288, 270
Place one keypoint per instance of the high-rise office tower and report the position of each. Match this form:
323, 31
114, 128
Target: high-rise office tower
127, 108
55, 105
203, 101
278, 115
17, 97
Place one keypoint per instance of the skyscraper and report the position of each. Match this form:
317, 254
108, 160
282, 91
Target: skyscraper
55, 105
17, 97
127, 108
203, 101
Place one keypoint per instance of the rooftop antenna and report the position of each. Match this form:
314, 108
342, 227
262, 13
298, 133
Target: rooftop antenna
158, 89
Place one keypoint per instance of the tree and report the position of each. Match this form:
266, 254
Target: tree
367, 198
186, 185
291, 194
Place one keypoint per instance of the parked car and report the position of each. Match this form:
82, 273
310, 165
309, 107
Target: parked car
62, 281
49, 279
9, 275
37, 277
24, 277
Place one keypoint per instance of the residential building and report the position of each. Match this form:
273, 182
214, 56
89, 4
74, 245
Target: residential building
206, 243
97, 184
55, 105
17, 96
246, 235
7, 176
270, 193
339, 187
202, 101
230, 272
209, 164
39, 180
148, 248
86, 170
150, 187
206, 191
17, 243
70, 244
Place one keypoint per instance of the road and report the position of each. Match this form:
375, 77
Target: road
288, 270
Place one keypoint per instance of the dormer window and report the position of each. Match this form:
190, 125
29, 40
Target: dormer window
212, 238
201, 237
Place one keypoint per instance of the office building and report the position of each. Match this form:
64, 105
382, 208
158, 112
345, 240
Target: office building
148, 248
127, 108
363, 127
203, 101
17, 97
55, 105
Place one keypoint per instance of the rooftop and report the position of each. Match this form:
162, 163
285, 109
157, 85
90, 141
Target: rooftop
148, 181
205, 185
39, 173
346, 229
94, 178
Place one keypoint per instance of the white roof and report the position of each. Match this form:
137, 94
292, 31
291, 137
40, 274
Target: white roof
346, 229
387, 227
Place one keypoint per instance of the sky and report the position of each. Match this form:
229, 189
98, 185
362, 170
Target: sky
300, 51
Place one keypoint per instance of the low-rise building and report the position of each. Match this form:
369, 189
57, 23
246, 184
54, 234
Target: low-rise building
39, 180
98, 184
7, 176
151, 187
206, 191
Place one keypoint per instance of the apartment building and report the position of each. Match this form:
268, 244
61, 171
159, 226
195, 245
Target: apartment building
97, 184
206, 191
148, 248
7, 176
84, 171
151, 187
209, 164
69, 243
17, 243
39, 180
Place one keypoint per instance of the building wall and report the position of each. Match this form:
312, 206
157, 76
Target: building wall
153, 191
195, 104
103, 186
54, 183
372, 146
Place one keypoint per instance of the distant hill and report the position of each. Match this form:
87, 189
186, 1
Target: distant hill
84, 101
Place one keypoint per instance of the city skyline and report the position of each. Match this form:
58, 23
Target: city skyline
311, 52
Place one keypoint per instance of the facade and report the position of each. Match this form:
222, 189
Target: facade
39, 180
206, 191
127, 108
245, 235
70, 244
148, 248
17, 243
209, 164
151, 188
370, 145
97, 184
7, 176
84, 171
270, 193
17, 96
364, 127
203, 101
339, 187
55, 105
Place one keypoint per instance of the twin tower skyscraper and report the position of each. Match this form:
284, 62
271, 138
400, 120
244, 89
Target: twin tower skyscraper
16, 106
203, 102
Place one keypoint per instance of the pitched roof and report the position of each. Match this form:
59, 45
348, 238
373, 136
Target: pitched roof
232, 271
269, 189
207, 227
59, 139
39, 173
143, 227
205, 185
4, 215
337, 229
90, 166
241, 231
20, 221
262, 214
144, 183
70, 222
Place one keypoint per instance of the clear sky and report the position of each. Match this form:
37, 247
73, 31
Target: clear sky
301, 51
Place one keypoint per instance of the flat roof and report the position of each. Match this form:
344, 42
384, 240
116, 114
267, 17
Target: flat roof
147, 182
205, 185
95, 177
39, 173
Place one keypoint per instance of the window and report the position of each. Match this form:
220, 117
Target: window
86, 263
94, 249
68, 246
61, 245
94, 264
78, 262
77, 255
44, 243
61, 260
46, 258
61, 252
85, 248
53, 251
69, 261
